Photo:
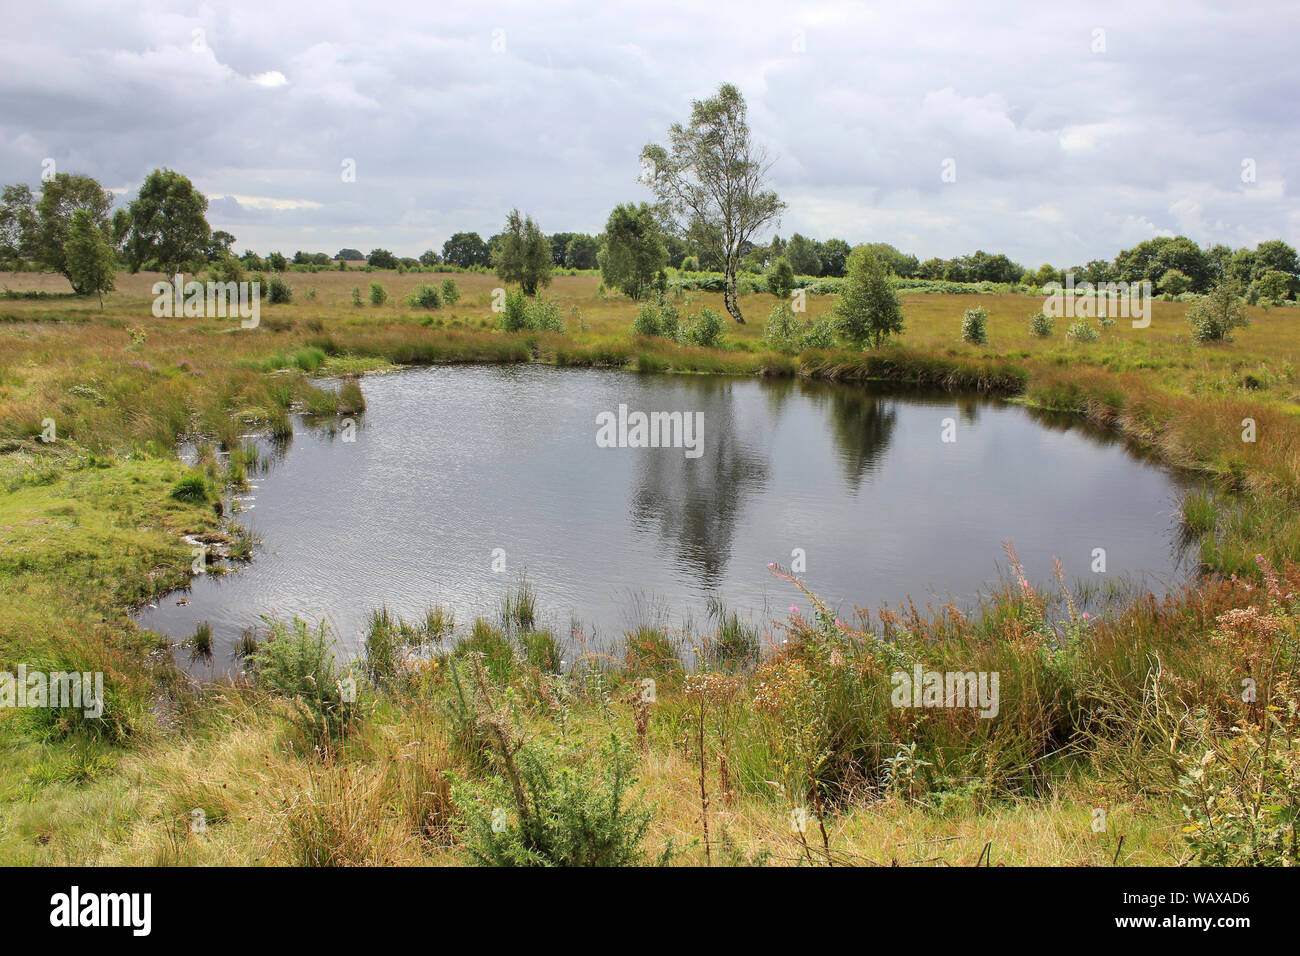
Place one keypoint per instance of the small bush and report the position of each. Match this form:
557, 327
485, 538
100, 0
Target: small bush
279, 292
819, 335
1213, 318
191, 488
298, 663
561, 816
783, 332
450, 294
1081, 331
704, 329
974, 326
425, 297
378, 295
1041, 325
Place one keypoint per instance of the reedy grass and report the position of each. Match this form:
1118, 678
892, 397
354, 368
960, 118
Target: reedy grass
122, 399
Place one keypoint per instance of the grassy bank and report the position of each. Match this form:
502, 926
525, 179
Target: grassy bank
1113, 714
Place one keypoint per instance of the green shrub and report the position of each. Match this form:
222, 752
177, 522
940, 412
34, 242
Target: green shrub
542, 650
1081, 331
654, 319
356, 295
704, 329
498, 654
378, 295
1041, 325
783, 332
974, 326
279, 292
514, 317
298, 663
1213, 317
780, 278
425, 297
819, 334
558, 816
193, 488
450, 294
690, 264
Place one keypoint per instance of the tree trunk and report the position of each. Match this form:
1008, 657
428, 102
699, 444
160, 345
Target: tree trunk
730, 299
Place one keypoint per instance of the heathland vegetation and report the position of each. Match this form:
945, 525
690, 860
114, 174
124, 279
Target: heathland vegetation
1148, 731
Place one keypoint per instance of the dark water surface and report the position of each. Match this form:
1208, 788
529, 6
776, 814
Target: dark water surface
450, 463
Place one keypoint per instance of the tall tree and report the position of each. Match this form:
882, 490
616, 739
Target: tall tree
91, 261
581, 252
868, 310
523, 254
168, 224
802, 253
61, 196
634, 254
465, 250
711, 184
17, 221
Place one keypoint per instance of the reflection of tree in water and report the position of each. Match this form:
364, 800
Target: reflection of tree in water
863, 426
696, 502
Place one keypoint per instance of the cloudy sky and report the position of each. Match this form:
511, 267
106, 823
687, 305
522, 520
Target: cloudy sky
1071, 134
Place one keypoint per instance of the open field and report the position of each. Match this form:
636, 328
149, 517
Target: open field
1110, 714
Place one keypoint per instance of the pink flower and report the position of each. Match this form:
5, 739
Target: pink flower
1087, 616
793, 609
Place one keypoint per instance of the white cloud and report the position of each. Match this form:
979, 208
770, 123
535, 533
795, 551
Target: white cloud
1062, 155
271, 78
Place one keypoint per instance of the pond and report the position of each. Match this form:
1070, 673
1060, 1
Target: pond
457, 480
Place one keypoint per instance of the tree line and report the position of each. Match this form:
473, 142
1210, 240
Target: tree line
712, 204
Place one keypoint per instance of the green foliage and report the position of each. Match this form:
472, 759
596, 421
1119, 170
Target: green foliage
450, 293
710, 183
279, 291
523, 254
297, 662
49, 225
703, 329
425, 296
193, 488
690, 264
466, 250
654, 319
1275, 286
1081, 330
1041, 325
532, 315
1213, 317
780, 278
1174, 283
633, 256
1239, 796
91, 262
974, 326
168, 224
382, 259
869, 310
378, 294
784, 332
558, 816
